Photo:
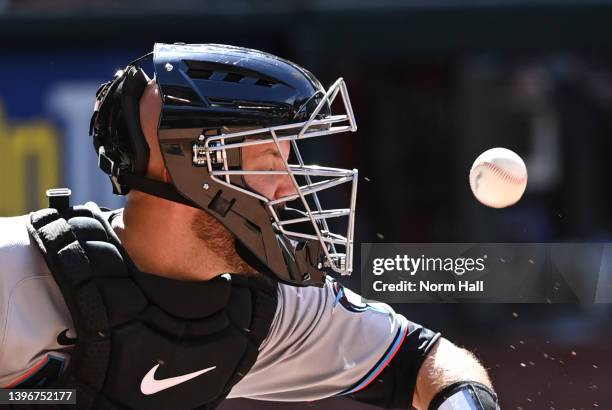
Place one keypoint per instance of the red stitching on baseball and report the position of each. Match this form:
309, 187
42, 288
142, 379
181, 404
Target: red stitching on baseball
505, 175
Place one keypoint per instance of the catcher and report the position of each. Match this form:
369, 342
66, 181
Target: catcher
214, 280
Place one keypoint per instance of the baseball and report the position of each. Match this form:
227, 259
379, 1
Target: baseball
498, 178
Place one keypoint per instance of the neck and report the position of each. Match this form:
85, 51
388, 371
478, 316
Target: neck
176, 241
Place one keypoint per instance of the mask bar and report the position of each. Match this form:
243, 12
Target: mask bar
351, 228
310, 189
339, 85
296, 126
319, 215
296, 151
315, 171
318, 237
337, 261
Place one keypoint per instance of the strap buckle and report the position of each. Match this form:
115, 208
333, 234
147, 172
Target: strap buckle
105, 163
59, 198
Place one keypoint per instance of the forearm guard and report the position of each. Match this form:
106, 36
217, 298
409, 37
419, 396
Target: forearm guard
465, 396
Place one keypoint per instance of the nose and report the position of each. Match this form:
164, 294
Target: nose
284, 187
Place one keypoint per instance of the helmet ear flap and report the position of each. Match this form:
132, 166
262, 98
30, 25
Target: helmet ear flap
131, 90
115, 127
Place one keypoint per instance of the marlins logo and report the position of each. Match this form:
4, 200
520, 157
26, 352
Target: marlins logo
350, 300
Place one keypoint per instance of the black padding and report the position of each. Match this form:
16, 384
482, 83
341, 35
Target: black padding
91, 306
264, 306
244, 303
123, 300
93, 364
56, 235
184, 298
162, 322
43, 217
70, 268
211, 324
131, 90
116, 129
88, 229
72, 261
128, 321
137, 349
105, 259
157, 319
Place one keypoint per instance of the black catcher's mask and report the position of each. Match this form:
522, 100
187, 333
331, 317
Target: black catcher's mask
208, 90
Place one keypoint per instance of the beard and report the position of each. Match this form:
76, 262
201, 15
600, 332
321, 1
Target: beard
218, 239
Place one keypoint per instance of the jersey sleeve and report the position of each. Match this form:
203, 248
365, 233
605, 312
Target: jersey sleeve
325, 342
32, 312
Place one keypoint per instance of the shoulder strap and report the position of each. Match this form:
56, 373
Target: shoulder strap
70, 267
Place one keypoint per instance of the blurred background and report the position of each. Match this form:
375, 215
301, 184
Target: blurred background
433, 84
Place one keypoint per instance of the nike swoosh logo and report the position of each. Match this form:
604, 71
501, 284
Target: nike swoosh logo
150, 385
64, 340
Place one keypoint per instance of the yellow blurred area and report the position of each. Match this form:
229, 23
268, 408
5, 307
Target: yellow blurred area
29, 166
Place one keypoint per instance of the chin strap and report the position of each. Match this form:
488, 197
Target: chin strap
155, 188
465, 396
123, 181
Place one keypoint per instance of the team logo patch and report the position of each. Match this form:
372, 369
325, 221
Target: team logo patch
43, 373
350, 300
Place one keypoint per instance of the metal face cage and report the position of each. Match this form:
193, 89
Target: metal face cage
214, 151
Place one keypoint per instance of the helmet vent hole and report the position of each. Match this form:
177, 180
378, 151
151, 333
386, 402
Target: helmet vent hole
199, 73
233, 77
265, 82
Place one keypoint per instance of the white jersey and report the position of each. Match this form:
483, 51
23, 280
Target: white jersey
322, 341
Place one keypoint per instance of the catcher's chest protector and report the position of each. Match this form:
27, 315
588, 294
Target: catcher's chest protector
147, 342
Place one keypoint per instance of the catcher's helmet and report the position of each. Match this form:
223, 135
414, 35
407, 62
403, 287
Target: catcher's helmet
206, 88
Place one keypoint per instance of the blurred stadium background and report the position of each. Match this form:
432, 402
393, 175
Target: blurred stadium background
433, 83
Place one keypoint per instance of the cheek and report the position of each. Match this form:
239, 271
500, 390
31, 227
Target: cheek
257, 158
263, 184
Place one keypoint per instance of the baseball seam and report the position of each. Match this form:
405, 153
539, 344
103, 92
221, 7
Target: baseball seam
503, 174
